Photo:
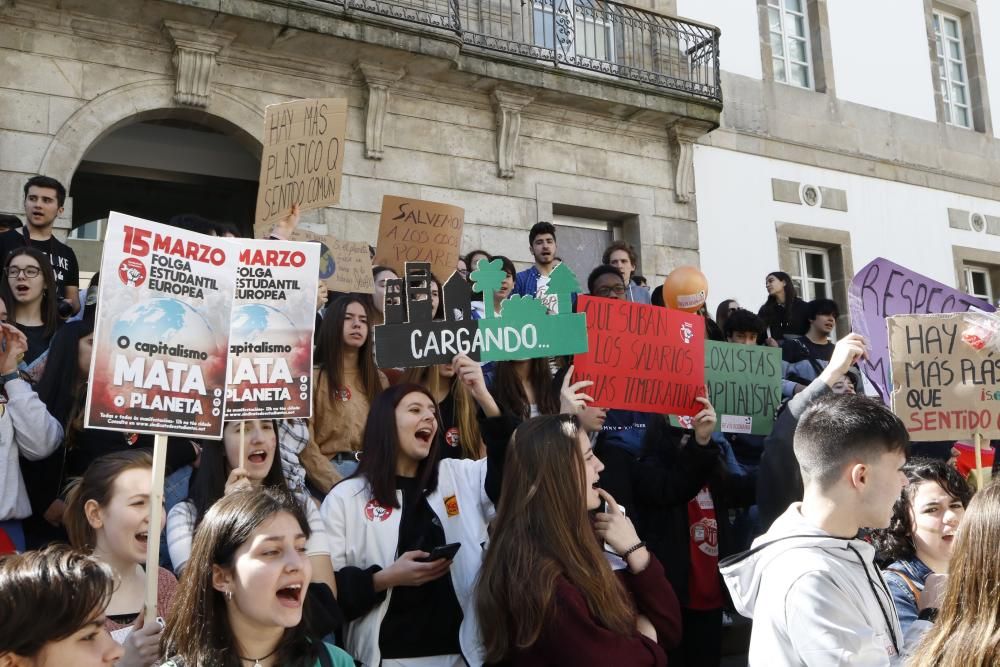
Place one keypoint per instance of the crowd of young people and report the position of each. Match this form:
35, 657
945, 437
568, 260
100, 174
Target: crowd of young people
468, 514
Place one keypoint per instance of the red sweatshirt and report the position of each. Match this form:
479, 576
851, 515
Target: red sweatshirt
574, 637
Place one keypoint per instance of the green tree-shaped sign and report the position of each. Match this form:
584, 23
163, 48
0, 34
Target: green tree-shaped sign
488, 278
522, 309
563, 283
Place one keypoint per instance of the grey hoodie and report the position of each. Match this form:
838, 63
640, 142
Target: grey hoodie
815, 599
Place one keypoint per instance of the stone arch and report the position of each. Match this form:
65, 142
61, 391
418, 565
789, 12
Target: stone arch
145, 100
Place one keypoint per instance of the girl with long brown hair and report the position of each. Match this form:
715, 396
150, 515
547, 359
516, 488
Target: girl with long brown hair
407, 532
547, 595
967, 630
28, 289
242, 600
456, 410
524, 388
345, 382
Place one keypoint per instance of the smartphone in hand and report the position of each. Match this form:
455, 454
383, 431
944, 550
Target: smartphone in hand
445, 551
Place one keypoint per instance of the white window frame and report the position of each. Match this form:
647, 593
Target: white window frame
969, 271
945, 61
805, 283
542, 14
780, 6
98, 225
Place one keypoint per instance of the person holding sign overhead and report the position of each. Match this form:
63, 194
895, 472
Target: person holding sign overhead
222, 473
108, 516
345, 382
243, 597
407, 531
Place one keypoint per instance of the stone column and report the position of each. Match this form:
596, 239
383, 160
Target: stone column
195, 49
380, 81
508, 107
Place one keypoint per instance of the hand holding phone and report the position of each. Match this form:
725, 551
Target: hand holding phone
445, 551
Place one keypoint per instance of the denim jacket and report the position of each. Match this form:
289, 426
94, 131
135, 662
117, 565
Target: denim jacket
907, 607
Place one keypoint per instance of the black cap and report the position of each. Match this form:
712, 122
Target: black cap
9, 221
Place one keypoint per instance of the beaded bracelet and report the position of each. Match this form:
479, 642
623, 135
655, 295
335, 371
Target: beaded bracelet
629, 551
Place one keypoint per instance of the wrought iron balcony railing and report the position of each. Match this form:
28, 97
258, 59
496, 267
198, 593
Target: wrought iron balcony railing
600, 36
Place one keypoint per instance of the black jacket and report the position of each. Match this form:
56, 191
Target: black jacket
672, 470
779, 480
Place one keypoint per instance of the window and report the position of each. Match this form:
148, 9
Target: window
90, 231
952, 70
581, 241
788, 24
811, 272
592, 29
977, 283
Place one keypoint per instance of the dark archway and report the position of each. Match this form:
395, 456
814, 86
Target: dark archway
158, 167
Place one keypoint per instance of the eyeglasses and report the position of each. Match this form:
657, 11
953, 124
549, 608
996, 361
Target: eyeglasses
608, 290
28, 271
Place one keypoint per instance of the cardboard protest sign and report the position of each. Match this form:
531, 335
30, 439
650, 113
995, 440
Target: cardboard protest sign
344, 266
641, 357
161, 339
303, 159
882, 289
523, 330
744, 386
942, 388
270, 344
412, 230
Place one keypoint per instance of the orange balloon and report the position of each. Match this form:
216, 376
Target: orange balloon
686, 288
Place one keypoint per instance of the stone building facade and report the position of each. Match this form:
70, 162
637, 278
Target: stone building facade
155, 107
852, 130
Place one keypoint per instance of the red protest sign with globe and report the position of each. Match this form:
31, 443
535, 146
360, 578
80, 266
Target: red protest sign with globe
162, 329
270, 343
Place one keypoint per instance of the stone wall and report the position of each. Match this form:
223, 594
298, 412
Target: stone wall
72, 72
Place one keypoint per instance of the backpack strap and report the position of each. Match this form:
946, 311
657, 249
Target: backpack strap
324, 655
908, 581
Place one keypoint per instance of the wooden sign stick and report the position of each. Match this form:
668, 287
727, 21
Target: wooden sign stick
243, 445
979, 461
155, 519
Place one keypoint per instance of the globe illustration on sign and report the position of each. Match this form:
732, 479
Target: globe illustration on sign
257, 322
164, 320
327, 267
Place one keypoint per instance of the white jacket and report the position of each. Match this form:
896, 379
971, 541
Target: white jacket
815, 599
26, 429
362, 533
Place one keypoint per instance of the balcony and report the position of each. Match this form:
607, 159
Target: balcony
596, 36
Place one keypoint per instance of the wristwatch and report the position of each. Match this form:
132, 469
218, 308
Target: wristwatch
7, 377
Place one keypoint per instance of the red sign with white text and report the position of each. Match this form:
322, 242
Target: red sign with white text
641, 357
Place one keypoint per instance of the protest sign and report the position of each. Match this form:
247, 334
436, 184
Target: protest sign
412, 230
744, 386
523, 330
882, 289
641, 357
270, 344
942, 388
303, 158
161, 339
344, 266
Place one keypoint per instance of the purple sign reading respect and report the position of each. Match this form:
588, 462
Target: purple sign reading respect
883, 288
